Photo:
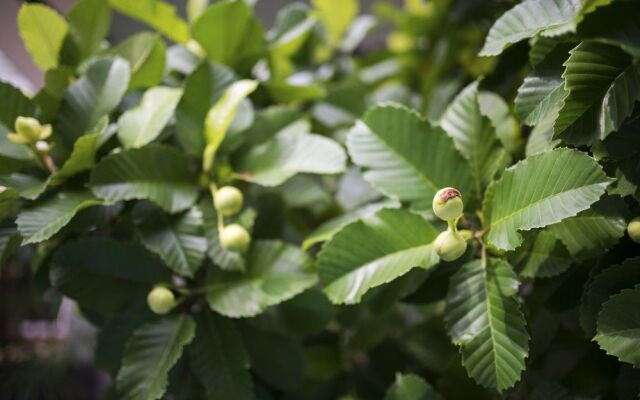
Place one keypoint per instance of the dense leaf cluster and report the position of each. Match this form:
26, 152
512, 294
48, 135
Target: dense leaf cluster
319, 278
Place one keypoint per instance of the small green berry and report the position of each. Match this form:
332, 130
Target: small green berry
447, 204
161, 300
234, 237
450, 245
633, 229
228, 200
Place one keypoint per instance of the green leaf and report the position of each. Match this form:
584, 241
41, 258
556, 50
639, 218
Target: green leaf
27, 186
336, 16
541, 93
145, 53
225, 259
44, 220
405, 157
92, 97
230, 34
607, 283
105, 275
474, 136
179, 240
219, 360
541, 137
275, 272
13, 104
603, 84
483, 317
290, 152
10, 240
528, 19
43, 31
289, 92
411, 387
290, 32
503, 120
344, 103
373, 251
545, 256
89, 23
149, 355
155, 172
82, 158
541, 190
219, 116
157, 14
205, 85
141, 125
615, 24
328, 229
595, 230
619, 326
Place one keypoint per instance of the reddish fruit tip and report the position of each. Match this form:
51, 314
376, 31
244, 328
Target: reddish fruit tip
449, 194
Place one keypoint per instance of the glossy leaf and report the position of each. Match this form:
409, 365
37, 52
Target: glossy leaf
336, 16
375, 250
484, 318
230, 34
619, 326
275, 272
614, 24
528, 19
47, 218
105, 275
203, 88
474, 136
157, 173
145, 53
610, 281
290, 152
43, 31
219, 359
89, 23
179, 240
82, 158
13, 104
541, 190
603, 84
149, 355
595, 230
545, 256
405, 157
141, 125
157, 14
92, 97
411, 387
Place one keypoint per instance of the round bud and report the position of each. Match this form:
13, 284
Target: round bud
450, 245
633, 229
447, 204
228, 200
29, 128
234, 237
161, 300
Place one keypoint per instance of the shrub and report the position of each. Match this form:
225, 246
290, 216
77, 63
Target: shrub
316, 272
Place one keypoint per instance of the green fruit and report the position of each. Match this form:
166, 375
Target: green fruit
450, 245
161, 300
633, 229
228, 200
234, 237
447, 204
31, 130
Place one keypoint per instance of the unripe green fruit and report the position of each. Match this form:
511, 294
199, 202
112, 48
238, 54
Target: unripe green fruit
234, 237
161, 300
450, 245
633, 229
447, 204
228, 200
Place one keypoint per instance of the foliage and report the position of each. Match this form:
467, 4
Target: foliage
324, 279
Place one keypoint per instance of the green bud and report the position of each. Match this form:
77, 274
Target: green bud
633, 229
31, 130
228, 200
447, 204
450, 245
161, 300
234, 237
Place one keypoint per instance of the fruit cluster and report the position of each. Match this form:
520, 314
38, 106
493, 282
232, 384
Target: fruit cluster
447, 205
